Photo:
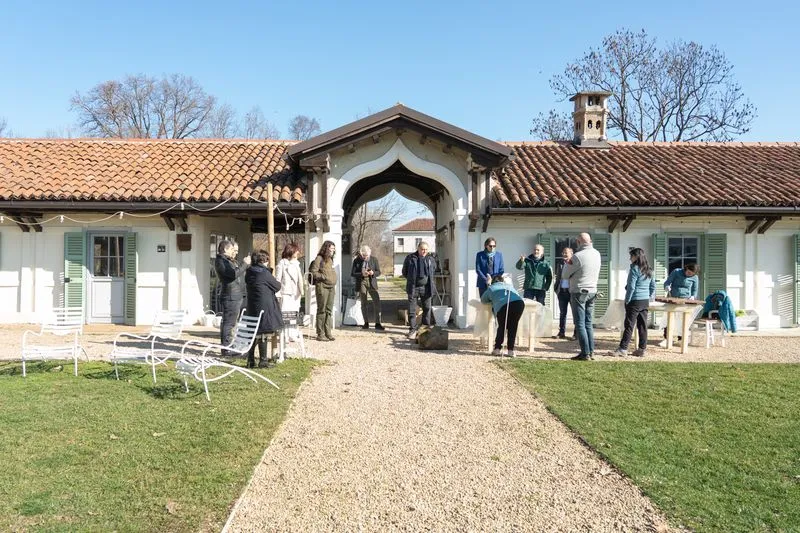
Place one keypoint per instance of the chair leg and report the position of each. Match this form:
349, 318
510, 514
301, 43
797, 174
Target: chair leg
23, 367
709, 335
153, 364
75, 359
302, 344
116, 371
205, 383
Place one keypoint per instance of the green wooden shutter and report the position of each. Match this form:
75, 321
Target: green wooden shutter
797, 279
602, 243
714, 267
547, 243
74, 259
131, 267
660, 262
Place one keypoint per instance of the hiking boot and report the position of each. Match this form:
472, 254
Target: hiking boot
365, 326
379, 326
638, 352
581, 357
560, 336
330, 338
322, 338
511, 353
619, 352
412, 335
497, 351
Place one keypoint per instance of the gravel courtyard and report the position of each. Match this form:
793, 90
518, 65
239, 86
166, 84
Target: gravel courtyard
386, 437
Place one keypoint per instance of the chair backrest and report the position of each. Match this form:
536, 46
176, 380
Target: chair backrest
520, 282
63, 321
168, 324
246, 331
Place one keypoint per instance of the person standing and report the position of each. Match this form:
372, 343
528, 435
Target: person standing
508, 307
583, 272
261, 289
324, 276
230, 275
561, 288
366, 271
488, 263
419, 269
682, 283
290, 276
639, 290
538, 274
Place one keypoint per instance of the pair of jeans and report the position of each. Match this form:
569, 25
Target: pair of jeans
582, 304
418, 294
365, 289
507, 320
325, 298
635, 315
563, 304
535, 294
231, 308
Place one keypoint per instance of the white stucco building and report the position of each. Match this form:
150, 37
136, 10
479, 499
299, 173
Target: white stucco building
407, 237
732, 207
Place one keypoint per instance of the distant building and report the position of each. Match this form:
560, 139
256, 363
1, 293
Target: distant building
407, 237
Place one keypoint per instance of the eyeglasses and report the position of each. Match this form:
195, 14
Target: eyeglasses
491, 246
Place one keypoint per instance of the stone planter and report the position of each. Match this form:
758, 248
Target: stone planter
748, 321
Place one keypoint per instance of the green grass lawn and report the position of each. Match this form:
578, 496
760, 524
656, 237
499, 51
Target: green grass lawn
715, 446
95, 454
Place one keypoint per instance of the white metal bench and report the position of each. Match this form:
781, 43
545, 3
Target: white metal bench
167, 325
203, 367
60, 322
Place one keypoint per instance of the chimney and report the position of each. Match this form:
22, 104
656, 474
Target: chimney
589, 118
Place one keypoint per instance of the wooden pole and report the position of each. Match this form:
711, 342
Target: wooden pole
270, 227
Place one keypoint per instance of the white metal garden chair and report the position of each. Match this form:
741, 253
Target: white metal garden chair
167, 325
60, 322
204, 368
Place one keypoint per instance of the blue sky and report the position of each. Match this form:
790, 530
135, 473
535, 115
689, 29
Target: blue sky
483, 66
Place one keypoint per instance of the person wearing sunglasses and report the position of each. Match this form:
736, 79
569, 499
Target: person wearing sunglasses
488, 264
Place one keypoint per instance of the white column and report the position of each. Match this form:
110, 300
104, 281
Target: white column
461, 268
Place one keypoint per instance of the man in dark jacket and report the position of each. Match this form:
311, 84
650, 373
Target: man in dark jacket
561, 288
230, 276
261, 289
366, 271
538, 274
419, 269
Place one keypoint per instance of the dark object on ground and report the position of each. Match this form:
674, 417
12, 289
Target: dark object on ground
432, 338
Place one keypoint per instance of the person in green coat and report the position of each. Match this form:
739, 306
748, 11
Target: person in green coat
538, 274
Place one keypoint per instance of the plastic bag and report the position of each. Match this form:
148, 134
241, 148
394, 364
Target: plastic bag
352, 313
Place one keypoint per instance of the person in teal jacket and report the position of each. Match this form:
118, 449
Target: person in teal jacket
683, 282
639, 290
507, 306
538, 274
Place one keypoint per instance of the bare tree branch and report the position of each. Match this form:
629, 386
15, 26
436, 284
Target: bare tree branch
682, 92
3, 126
256, 126
552, 127
302, 127
221, 124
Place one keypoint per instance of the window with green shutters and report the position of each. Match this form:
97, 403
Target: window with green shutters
74, 259
714, 271
602, 243
131, 268
677, 250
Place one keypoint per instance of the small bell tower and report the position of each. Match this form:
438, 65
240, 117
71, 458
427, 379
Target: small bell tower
589, 118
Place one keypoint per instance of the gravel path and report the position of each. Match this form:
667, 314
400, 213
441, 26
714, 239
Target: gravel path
389, 438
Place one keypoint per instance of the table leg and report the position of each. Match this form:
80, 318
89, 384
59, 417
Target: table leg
531, 332
685, 341
670, 326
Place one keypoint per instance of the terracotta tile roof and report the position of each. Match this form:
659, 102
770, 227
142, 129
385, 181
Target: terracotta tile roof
651, 174
418, 224
146, 170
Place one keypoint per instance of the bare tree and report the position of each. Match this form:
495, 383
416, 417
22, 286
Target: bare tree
140, 106
66, 132
371, 223
256, 126
221, 124
683, 92
303, 127
3, 126
552, 127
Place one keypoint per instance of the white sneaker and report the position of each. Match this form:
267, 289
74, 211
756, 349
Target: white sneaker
662, 344
511, 353
412, 335
497, 351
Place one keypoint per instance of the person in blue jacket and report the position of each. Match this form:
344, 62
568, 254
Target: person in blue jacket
639, 290
488, 264
683, 282
507, 306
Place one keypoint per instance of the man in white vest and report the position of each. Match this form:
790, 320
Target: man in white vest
583, 271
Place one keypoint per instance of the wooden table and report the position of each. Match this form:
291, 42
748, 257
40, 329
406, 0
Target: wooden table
684, 307
485, 316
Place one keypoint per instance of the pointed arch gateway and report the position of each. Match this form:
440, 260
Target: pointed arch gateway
404, 149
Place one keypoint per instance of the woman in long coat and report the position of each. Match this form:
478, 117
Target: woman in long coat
290, 276
261, 289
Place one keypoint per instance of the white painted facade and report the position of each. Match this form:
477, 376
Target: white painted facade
32, 265
405, 242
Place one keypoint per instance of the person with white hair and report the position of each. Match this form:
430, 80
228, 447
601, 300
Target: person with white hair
366, 270
583, 271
